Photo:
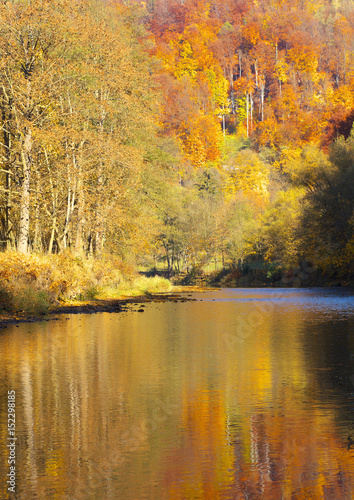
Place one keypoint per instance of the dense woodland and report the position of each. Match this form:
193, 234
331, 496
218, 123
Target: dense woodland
189, 133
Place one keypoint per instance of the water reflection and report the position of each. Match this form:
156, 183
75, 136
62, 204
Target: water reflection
244, 394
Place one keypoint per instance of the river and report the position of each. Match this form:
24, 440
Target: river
242, 394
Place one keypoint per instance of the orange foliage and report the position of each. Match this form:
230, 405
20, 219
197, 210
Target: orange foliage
201, 139
294, 58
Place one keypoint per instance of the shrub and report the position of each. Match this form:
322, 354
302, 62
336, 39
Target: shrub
31, 283
31, 300
152, 285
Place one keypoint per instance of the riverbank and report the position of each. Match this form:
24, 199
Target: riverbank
39, 287
303, 276
32, 286
135, 303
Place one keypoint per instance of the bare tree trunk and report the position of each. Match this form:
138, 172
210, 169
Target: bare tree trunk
67, 218
251, 112
90, 246
37, 241
54, 205
8, 232
7, 235
232, 95
99, 236
80, 216
247, 112
99, 217
25, 195
167, 258
80, 201
51, 242
70, 201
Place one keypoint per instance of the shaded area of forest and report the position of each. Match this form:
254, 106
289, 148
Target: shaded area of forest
181, 138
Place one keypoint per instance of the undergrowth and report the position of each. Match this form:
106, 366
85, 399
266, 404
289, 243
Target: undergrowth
31, 284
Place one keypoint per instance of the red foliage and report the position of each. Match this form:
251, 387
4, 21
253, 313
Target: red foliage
339, 124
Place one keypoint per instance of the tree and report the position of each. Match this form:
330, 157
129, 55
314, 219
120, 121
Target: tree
31, 72
78, 109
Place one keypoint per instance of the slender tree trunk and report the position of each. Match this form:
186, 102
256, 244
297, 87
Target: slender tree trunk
52, 234
89, 250
67, 218
99, 217
37, 244
247, 112
54, 205
8, 232
80, 217
79, 245
167, 258
99, 236
251, 102
70, 201
7, 236
25, 195
232, 102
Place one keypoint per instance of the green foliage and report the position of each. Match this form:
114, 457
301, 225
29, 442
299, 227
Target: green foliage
328, 220
91, 293
208, 183
281, 221
231, 146
308, 167
30, 300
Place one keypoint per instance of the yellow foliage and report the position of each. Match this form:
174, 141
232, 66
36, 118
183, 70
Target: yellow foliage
304, 59
343, 96
268, 133
282, 70
32, 282
187, 65
303, 166
201, 140
219, 87
287, 156
281, 222
248, 174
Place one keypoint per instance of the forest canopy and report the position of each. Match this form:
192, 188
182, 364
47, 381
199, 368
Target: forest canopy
183, 133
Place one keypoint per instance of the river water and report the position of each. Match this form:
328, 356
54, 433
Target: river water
242, 394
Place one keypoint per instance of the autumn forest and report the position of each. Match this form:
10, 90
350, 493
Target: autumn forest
180, 134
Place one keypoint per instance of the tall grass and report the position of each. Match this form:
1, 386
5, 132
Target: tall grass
33, 283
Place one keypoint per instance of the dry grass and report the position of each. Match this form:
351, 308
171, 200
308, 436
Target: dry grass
33, 283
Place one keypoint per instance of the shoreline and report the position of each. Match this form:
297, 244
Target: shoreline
122, 303
112, 305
